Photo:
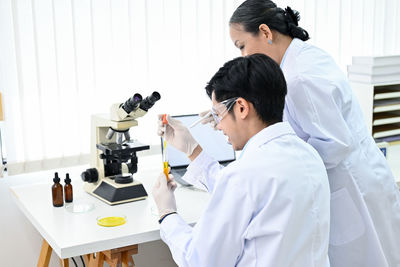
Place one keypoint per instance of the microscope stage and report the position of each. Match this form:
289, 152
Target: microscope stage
124, 148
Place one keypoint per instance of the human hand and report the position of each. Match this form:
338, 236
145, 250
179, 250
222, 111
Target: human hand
163, 194
177, 135
209, 119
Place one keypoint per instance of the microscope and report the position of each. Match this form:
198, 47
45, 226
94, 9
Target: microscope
113, 153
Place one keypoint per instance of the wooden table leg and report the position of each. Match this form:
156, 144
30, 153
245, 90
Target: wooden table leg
45, 254
113, 257
97, 261
86, 259
127, 259
114, 260
64, 262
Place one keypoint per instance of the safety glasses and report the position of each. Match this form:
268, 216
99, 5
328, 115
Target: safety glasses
220, 110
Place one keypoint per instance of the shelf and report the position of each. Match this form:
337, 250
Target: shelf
386, 130
386, 118
384, 105
393, 139
386, 92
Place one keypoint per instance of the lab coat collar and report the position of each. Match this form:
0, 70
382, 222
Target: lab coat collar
267, 134
292, 50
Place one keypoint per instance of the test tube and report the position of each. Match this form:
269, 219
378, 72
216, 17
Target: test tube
165, 158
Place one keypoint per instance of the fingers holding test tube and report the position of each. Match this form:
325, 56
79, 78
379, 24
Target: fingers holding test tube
176, 134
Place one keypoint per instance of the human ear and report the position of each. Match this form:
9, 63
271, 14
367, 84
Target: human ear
243, 107
266, 32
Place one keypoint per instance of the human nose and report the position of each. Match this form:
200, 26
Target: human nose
218, 126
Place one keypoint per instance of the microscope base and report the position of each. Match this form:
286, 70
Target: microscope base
113, 195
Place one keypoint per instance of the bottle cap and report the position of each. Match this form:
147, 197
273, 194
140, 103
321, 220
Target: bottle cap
56, 179
164, 119
67, 179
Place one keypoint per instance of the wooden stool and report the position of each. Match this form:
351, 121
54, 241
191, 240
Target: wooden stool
113, 257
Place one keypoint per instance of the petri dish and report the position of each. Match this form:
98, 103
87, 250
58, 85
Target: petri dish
79, 207
111, 221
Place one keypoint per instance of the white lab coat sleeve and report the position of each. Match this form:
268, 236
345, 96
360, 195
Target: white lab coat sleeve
316, 106
203, 172
218, 238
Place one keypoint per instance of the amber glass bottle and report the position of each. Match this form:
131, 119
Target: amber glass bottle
68, 189
57, 191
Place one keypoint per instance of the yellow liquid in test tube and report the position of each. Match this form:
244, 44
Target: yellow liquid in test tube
166, 169
165, 160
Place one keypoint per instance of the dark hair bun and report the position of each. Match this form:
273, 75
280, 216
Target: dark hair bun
292, 16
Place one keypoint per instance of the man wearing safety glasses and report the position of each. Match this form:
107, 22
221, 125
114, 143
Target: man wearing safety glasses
268, 208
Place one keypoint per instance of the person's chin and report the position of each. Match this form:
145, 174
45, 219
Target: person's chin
234, 146
237, 148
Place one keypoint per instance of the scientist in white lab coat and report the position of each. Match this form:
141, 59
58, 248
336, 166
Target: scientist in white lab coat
323, 111
270, 207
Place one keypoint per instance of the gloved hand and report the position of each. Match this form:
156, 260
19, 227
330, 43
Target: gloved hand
177, 135
208, 119
163, 194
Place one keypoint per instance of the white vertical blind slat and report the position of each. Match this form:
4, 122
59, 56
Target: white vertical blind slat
368, 26
389, 26
28, 84
40, 114
9, 83
82, 28
67, 79
102, 43
47, 72
346, 33
138, 36
307, 18
380, 28
397, 31
120, 46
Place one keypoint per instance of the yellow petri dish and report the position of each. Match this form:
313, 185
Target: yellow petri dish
111, 221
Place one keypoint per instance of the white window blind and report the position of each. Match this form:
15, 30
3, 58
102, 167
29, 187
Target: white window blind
63, 60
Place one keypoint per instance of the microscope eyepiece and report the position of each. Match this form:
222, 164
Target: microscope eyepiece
149, 101
132, 103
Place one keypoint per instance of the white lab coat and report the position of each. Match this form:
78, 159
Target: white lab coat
365, 201
268, 208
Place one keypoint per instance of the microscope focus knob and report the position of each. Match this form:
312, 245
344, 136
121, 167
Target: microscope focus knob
90, 175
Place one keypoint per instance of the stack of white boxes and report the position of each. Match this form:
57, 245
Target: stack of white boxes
375, 70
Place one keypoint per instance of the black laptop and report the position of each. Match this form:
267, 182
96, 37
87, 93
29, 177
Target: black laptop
213, 142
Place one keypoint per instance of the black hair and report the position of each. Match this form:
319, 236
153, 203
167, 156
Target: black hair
256, 78
252, 13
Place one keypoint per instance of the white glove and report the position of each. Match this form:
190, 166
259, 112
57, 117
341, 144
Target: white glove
209, 119
177, 135
163, 194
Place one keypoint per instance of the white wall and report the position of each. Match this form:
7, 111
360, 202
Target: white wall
20, 243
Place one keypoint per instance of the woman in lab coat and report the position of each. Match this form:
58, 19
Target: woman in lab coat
322, 109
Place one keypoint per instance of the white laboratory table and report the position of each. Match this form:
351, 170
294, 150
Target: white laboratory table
73, 234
